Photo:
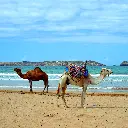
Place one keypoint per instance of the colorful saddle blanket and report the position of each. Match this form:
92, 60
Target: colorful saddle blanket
77, 71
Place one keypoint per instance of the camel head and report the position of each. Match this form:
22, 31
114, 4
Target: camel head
105, 72
17, 70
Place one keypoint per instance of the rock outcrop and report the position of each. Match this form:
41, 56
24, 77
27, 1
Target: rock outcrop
124, 63
50, 63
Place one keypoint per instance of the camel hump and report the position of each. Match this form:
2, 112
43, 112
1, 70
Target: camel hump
37, 69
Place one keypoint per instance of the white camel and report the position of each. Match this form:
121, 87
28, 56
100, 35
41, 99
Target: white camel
83, 82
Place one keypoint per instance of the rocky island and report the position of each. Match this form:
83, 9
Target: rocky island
50, 63
124, 63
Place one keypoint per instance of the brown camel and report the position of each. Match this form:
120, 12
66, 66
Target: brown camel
34, 75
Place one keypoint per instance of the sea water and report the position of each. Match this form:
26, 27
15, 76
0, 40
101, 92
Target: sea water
117, 82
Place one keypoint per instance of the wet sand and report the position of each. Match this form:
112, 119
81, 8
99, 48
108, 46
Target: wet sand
22, 109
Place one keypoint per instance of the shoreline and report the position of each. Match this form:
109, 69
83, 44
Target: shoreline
68, 93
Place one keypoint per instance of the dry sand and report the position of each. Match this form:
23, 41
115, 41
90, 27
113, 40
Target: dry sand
36, 110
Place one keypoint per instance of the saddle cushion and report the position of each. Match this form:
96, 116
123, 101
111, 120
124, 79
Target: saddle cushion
77, 71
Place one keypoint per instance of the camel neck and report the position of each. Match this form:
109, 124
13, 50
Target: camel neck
98, 79
20, 74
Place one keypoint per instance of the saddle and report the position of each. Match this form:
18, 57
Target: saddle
77, 71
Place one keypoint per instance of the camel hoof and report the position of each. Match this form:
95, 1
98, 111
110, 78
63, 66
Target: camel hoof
31, 91
57, 95
83, 107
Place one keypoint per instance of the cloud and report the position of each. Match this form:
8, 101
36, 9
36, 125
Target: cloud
80, 39
68, 20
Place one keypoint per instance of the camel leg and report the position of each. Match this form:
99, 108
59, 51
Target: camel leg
47, 88
45, 85
58, 99
64, 101
63, 93
58, 90
58, 94
30, 81
83, 95
61, 89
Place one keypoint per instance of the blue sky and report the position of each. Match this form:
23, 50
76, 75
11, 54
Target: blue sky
64, 30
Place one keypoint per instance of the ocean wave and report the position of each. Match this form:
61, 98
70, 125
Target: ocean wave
8, 74
20, 79
53, 77
56, 79
112, 75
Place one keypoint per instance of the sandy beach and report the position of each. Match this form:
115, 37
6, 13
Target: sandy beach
22, 109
